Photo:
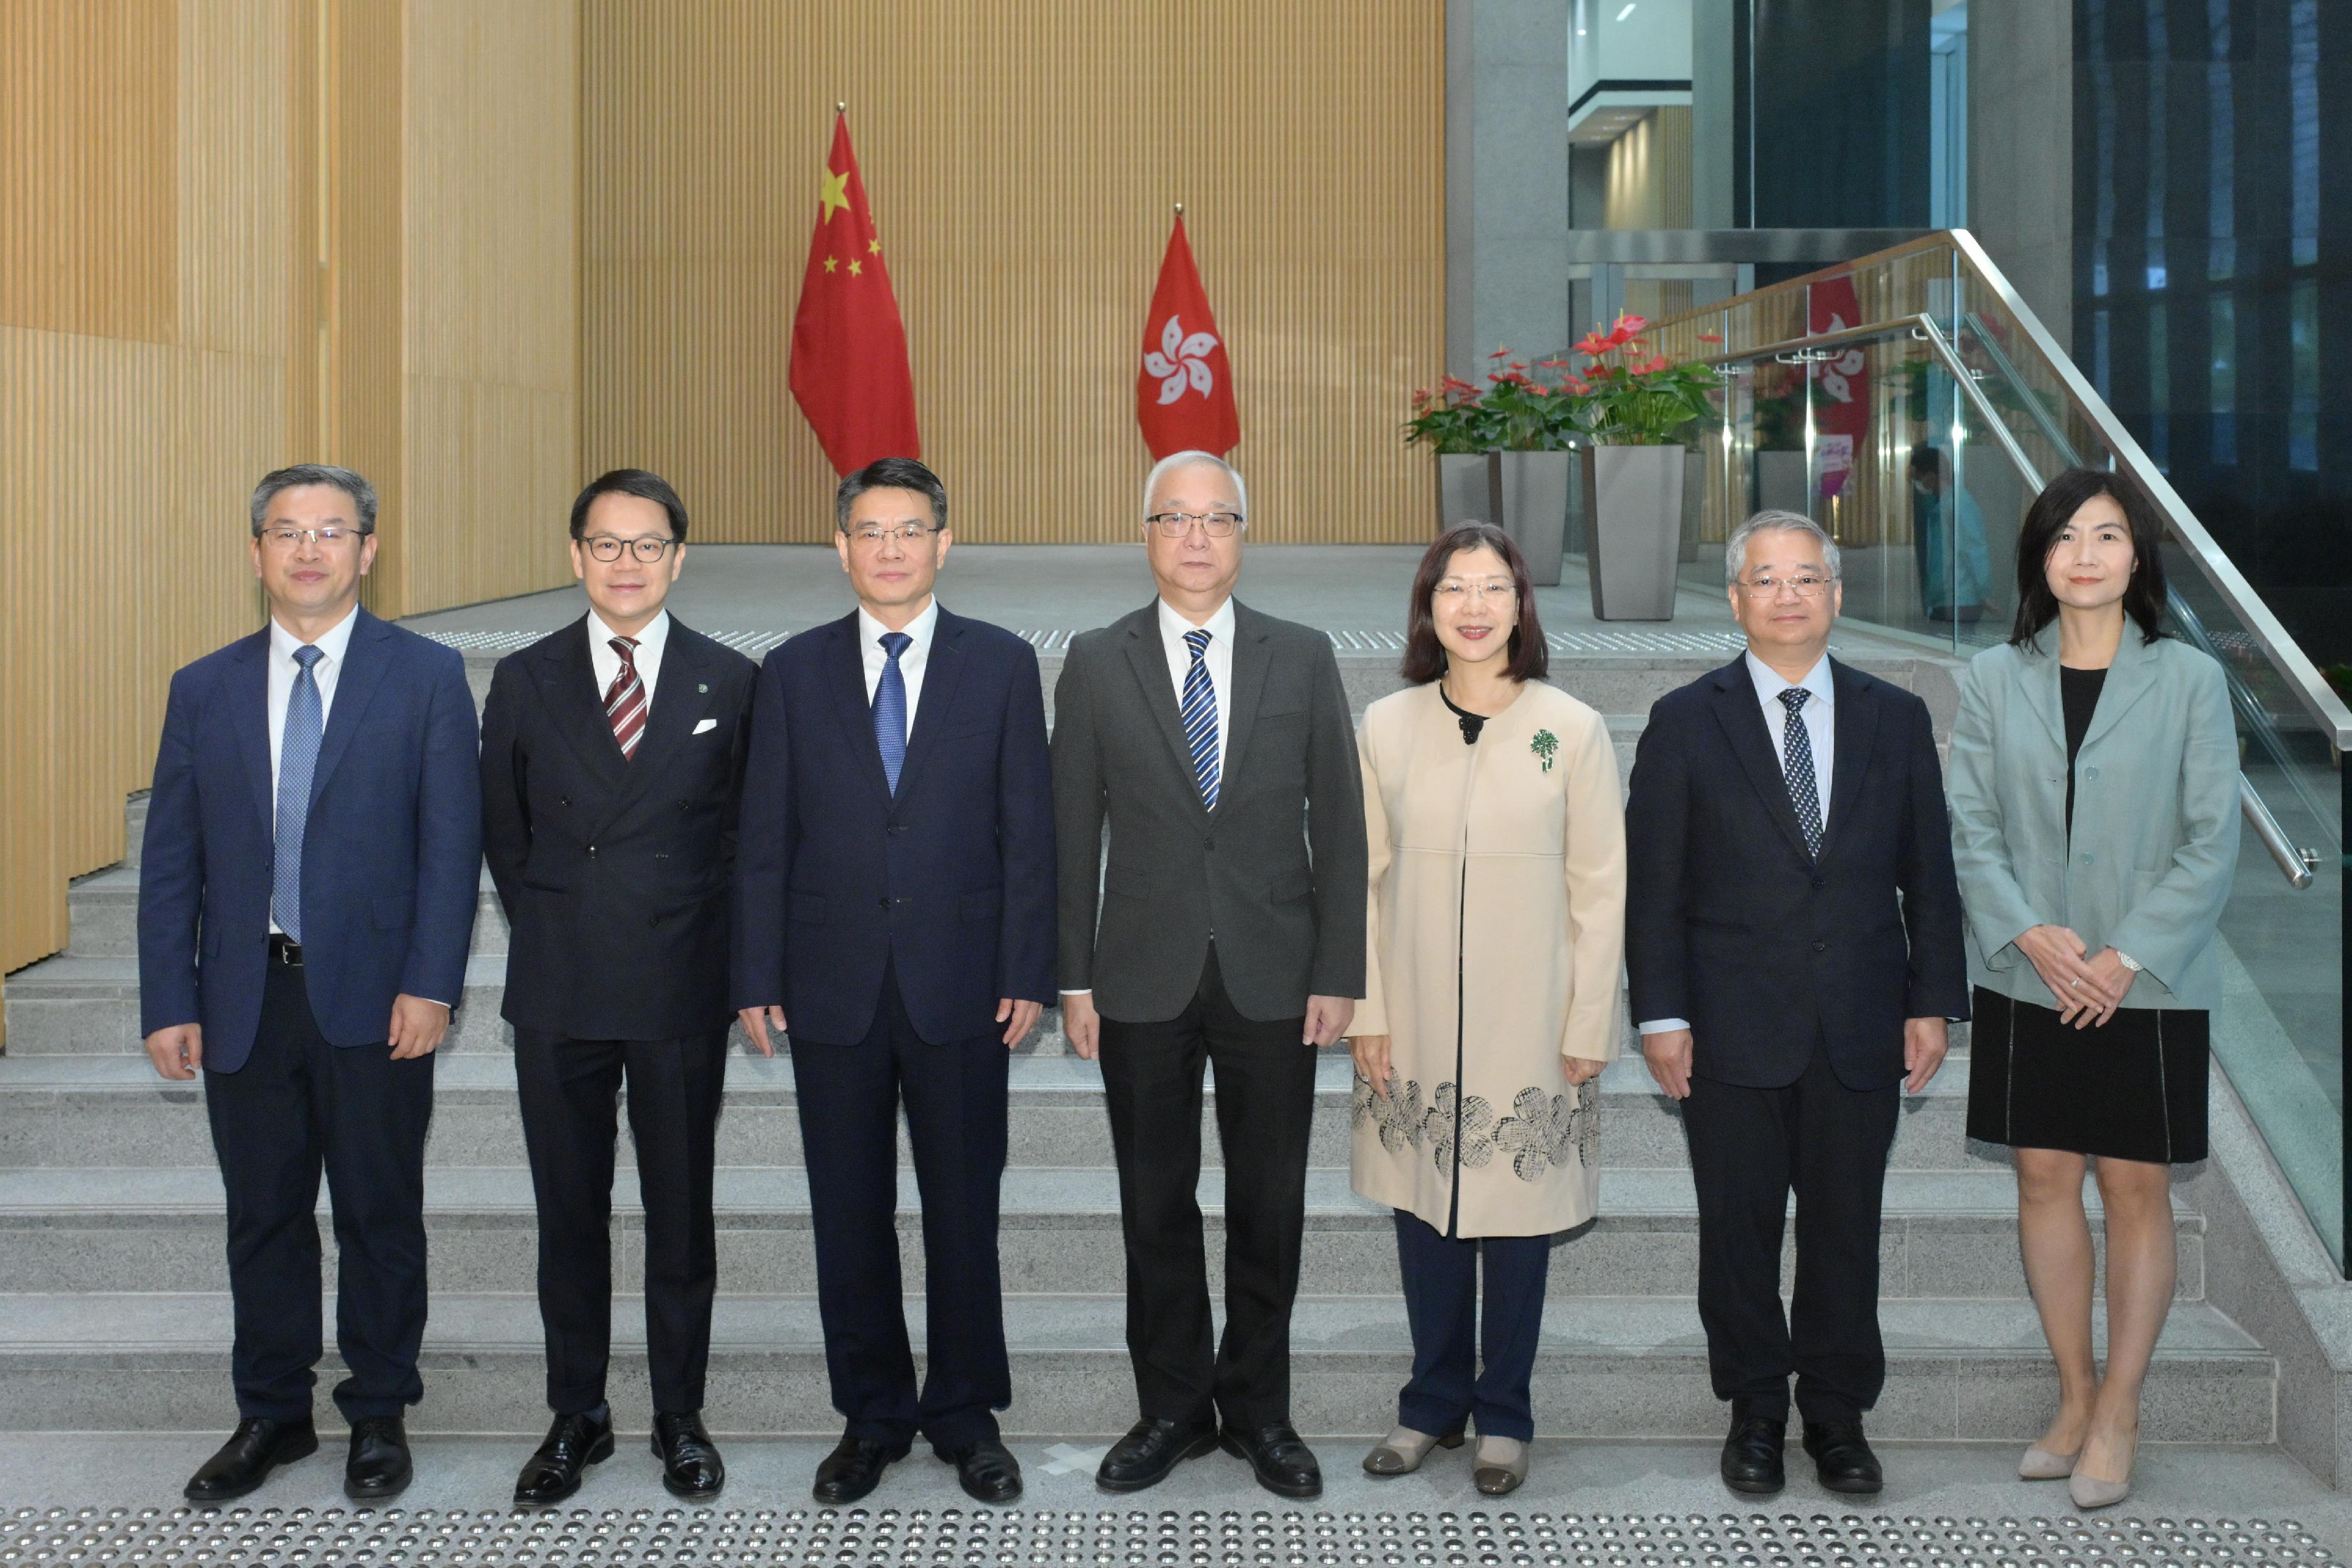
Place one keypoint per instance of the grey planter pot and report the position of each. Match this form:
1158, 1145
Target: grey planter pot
1535, 508
1634, 524
1466, 489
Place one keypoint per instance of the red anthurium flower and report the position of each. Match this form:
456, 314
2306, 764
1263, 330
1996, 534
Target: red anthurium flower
1500, 354
1570, 383
1628, 325
1651, 367
1710, 337
1594, 345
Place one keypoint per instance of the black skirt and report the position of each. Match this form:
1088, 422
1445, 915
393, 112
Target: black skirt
2130, 1088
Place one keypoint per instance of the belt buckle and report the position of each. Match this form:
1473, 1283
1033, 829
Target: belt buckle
285, 950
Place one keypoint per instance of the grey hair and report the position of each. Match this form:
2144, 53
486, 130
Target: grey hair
1175, 460
362, 493
1735, 549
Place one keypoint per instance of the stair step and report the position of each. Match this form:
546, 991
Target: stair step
67, 1111
1609, 1367
1946, 1233
104, 908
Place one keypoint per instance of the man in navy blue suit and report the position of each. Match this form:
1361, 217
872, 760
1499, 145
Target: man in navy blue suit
894, 900
312, 852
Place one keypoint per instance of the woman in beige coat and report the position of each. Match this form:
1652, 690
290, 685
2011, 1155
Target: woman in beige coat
1497, 934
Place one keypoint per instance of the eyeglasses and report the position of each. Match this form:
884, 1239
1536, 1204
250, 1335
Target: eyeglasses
873, 533
328, 537
1176, 525
1804, 586
646, 547
1453, 592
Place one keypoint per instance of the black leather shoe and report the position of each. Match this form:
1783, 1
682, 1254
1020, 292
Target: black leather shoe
256, 1448
1751, 1456
553, 1474
1285, 1466
378, 1465
1842, 1457
853, 1469
692, 1467
1150, 1449
987, 1470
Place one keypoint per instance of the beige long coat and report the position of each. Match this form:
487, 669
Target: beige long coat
1497, 940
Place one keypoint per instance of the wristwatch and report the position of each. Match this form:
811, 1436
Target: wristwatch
2127, 961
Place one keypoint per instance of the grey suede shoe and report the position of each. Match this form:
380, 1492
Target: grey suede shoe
1401, 1451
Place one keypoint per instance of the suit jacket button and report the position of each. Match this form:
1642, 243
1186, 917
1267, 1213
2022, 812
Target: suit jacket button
885, 902
652, 921
1209, 844
1820, 947
563, 800
1821, 882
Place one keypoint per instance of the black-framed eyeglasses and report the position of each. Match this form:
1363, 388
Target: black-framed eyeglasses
646, 547
285, 536
1176, 525
872, 535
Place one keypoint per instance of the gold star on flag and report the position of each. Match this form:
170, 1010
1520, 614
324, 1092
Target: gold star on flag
834, 195
829, 264
874, 247
857, 268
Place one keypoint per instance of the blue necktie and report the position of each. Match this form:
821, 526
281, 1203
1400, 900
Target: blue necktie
1797, 766
297, 760
890, 707
1200, 718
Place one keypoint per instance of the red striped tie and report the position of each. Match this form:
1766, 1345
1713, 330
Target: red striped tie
625, 704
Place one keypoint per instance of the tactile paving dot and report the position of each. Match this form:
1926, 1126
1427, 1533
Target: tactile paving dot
1167, 1538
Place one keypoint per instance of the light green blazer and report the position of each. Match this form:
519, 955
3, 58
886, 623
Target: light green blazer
2155, 816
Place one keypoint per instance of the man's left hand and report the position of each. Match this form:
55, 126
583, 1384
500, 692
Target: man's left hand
1327, 1019
1925, 1041
417, 1027
1023, 1017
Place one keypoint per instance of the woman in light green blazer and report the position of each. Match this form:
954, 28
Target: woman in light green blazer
2095, 826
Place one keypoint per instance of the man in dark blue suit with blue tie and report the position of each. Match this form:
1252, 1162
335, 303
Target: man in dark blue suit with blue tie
894, 901
312, 852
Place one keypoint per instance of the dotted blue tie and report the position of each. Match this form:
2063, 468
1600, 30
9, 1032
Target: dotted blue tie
1797, 766
1200, 718
890, 707
297, 760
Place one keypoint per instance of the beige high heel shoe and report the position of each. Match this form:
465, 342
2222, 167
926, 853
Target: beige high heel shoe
2041, 1465
1401, 1451
1501, 1466
2090, 1491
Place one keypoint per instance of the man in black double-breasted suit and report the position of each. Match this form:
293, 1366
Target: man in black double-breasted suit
611, 775
1792, 931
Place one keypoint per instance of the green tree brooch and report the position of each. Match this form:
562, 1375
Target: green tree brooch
1546, 745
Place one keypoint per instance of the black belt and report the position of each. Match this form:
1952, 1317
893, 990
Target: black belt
284, 949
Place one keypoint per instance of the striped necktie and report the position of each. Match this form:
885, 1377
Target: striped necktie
1201, 717
1797, 766
625, 702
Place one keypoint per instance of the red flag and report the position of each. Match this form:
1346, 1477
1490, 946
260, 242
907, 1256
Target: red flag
1184, 390
849, 368
1841, 423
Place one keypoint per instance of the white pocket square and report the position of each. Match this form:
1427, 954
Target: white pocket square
706, 723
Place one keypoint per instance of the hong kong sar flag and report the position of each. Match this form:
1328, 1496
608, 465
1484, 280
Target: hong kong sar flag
1184, 388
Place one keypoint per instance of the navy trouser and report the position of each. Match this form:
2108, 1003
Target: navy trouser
1441, 1302
297, 1106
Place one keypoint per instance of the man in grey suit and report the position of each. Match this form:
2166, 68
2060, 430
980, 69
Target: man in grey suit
1215, 742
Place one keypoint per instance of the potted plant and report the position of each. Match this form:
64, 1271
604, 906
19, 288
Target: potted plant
1455, 422
1536, 425
1635, 406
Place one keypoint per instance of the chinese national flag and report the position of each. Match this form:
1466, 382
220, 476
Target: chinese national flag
1184, 390
849, 370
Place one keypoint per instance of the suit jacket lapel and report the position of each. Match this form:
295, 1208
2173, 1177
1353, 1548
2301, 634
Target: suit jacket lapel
1252, 658
2038, 674
942, 671
2129, 678
567, 683
844, 668
1854, 721
1147, 657
365, 659
1743, 726
250, 706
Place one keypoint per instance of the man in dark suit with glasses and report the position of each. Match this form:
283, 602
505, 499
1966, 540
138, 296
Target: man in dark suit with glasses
612, 773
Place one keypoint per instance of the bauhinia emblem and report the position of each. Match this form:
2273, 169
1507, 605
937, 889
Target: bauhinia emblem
1181, 361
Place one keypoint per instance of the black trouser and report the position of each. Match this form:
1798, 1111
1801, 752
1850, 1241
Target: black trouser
297, 1106
570, 1089
1266, 1103
955, 1098
1749, 1148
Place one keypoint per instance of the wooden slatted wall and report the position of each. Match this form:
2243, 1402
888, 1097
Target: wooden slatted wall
1021, 160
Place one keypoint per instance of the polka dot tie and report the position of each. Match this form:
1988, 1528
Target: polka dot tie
1797, 768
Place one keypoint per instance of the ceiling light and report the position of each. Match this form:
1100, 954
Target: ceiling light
1628, 10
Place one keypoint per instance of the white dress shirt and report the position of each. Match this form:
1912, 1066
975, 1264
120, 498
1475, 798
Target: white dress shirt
911, 663
1821, 731
607, 664
1219, 658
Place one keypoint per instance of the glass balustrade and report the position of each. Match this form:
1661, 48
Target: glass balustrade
1913, 406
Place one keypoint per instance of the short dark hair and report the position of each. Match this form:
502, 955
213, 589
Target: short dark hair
643, 484
2144, 595
890, 473
362, 493
1425, 655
